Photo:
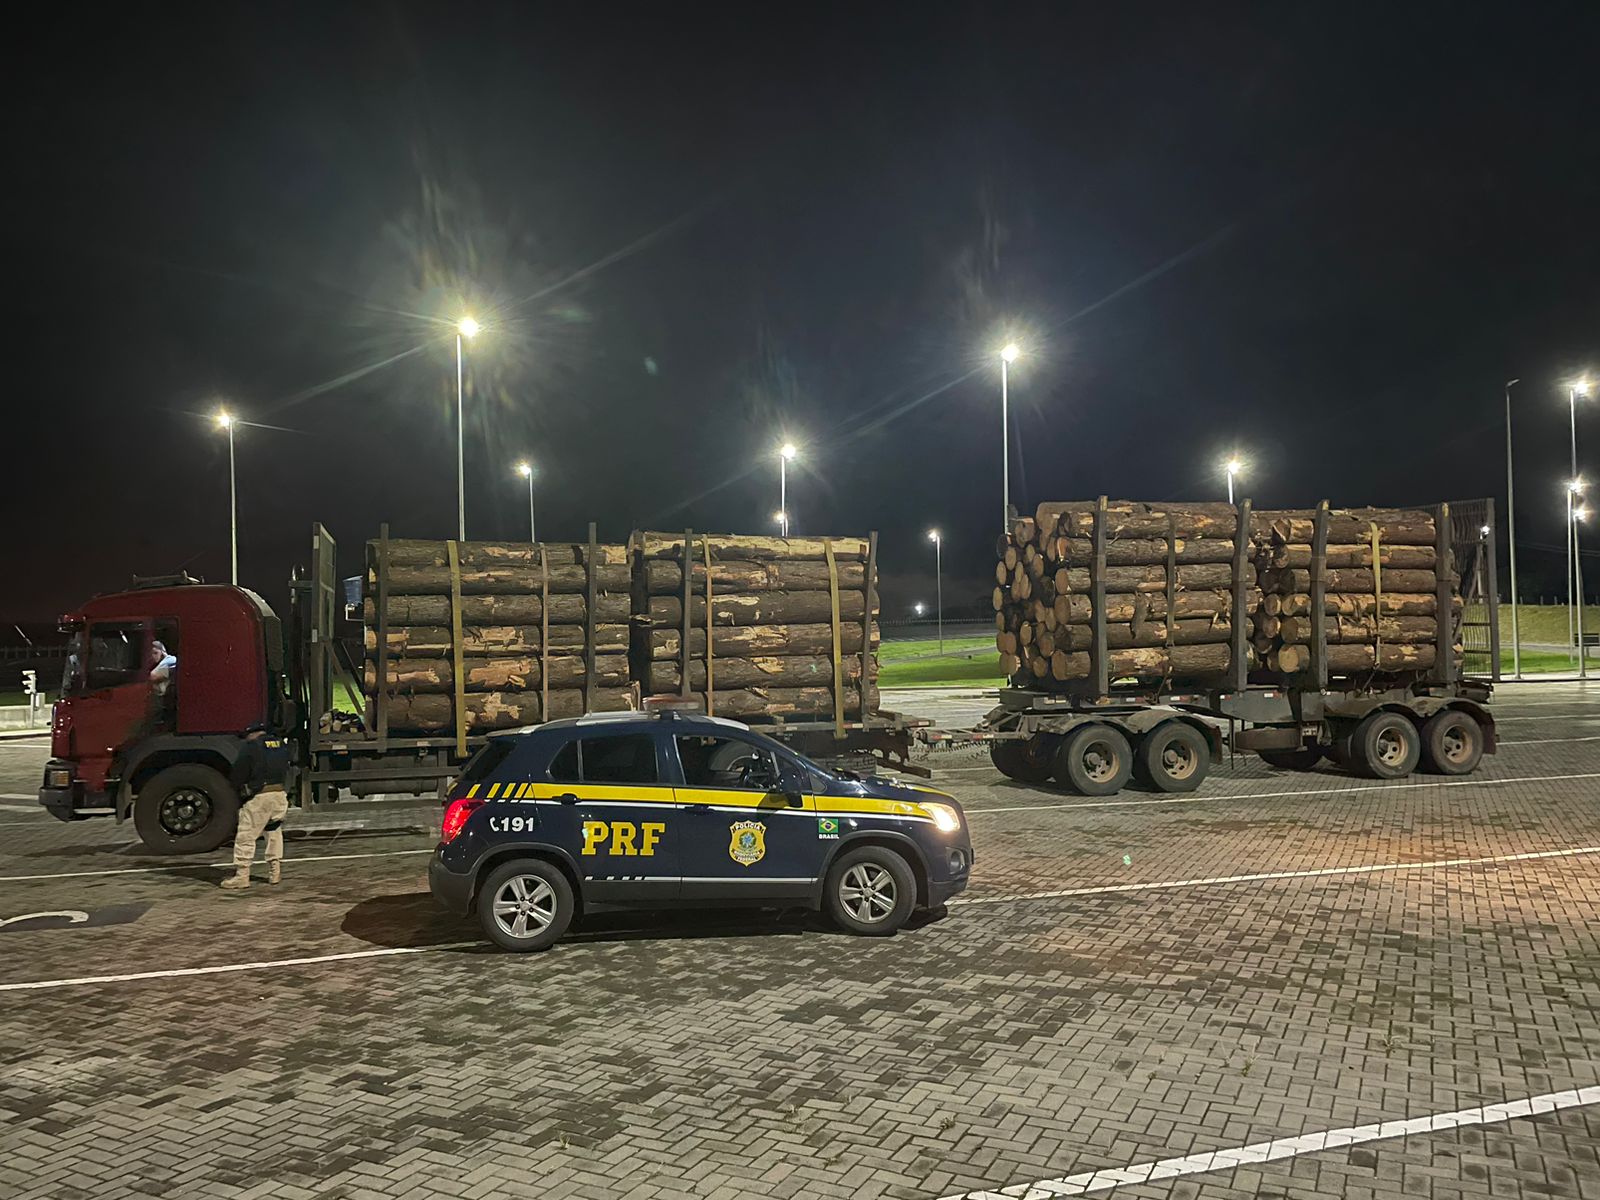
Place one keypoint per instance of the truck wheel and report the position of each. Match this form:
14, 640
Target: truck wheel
1094, 760
186, 809
1027, 760
1385, 746
1174, 757
525, 904
1452, 743
1302, 759
871, 891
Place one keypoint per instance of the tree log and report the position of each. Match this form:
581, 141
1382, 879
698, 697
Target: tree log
1416, 557
1146, 579
740, 548
1354, 604
665, 578
1291, 660
1120, 635
1354, 579
1341, 629
1346, 527
495, 674
1075, 610
1175, 662
1144, 551
497, 610
789, 671
756, 640
1134, 519
412, 552
500, 580
424, 640
497, 710
771, 608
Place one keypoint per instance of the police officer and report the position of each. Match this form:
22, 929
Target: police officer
261, 815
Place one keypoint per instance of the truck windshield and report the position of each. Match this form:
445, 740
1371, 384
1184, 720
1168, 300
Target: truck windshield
115, 656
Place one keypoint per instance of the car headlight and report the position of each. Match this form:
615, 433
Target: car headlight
945, 818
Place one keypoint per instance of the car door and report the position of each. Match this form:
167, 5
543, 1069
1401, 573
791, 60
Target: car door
616, 814
750, 828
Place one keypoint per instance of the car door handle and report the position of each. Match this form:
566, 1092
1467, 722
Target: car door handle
697, 808
567, 798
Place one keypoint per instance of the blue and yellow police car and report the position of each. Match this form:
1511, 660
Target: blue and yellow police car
669, 809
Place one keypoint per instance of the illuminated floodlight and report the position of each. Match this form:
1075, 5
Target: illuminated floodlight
468, 328
1010, 352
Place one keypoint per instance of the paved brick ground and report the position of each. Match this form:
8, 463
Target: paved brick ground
1016, 1038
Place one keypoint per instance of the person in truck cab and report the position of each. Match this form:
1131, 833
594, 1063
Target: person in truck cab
262, 815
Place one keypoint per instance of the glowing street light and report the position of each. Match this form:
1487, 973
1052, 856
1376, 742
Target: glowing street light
525, 469
225, 421
1233, 466
1008, 355
919, 608
466, 328
786, 454
938, 581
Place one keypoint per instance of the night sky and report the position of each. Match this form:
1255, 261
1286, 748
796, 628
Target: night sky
1321, 237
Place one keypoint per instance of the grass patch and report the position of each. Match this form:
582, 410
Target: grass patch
916, 662
954, 647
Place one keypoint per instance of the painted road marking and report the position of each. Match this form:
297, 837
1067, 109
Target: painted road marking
39, 985
1309, 873
228, 865
1107, 1178
1336, 791
20, 796
1548, 741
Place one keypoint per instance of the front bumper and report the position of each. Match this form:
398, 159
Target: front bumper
61, 802
451, 890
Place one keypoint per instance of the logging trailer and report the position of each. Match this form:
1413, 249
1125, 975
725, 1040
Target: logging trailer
1093, 735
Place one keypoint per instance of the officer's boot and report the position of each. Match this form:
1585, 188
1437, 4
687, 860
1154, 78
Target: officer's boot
238, 881
274, 870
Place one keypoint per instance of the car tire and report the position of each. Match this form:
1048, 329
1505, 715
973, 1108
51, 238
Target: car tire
526, 894
871, 891
1452, 743
1027, 760
1385, 745
1302, 759
1174, 757
1094, 760
186, 809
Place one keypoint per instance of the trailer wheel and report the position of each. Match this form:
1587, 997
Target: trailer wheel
1174, 757
1452, 743
1025, 760
1094, 760
1385, 746
186, 809
1302, 759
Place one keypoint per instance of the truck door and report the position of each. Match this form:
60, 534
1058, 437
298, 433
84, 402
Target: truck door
110, 695
750, 825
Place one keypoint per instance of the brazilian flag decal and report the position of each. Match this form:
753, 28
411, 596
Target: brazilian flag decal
827, 827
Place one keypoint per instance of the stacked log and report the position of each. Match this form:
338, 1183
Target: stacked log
767, 621
1381, 579
1175, 629
526, 633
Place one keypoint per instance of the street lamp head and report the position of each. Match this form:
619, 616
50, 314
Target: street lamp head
1010, 352
919, 608
1484, 532
1234, 466
224, 419
468, 328
1575, 486
788, 450
933, 535
525, 470
1581, 386
780, 516
1580, 514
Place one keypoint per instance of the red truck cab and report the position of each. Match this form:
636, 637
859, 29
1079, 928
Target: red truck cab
174, 709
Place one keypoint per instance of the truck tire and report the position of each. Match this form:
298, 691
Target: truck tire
1452, 743
1174, 757
525, 905
186, 809
870, 891
1385, 745
1094, 760
1027, 760
1302, 759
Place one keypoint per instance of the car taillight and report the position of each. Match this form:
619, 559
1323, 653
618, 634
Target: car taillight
456, 816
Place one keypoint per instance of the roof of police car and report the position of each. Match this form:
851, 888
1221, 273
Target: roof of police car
612, 720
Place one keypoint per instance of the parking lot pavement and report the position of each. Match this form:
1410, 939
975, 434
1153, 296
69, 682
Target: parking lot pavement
1284, 985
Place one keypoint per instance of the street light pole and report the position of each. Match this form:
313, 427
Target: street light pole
1233, 466
226, 422
938, 582
1511, 534
526, 470
1574, 583
785, 453
466, 328
1007, 357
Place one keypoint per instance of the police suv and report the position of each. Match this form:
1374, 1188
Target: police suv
668, 809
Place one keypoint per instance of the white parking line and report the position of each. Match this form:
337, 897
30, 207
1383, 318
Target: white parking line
1311, 873
37, 985
1335, 791
20, 796
202, 866
1105, 1179
1548, 741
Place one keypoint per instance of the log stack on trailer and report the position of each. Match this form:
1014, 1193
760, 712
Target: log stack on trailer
1161, 578
468, 637
758, 628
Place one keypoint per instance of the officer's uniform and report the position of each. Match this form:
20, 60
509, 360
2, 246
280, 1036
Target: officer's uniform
262, 814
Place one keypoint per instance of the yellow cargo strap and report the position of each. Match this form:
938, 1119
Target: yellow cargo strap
1377, 597
711, 704
544, 634
455, 647
838, 670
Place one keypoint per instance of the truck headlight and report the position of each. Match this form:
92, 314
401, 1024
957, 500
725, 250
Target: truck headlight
945, 818
58, 777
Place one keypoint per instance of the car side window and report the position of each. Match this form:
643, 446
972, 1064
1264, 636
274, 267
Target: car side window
622, 758
564, 767
725, 762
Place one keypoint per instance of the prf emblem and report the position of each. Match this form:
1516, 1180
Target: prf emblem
748, 843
